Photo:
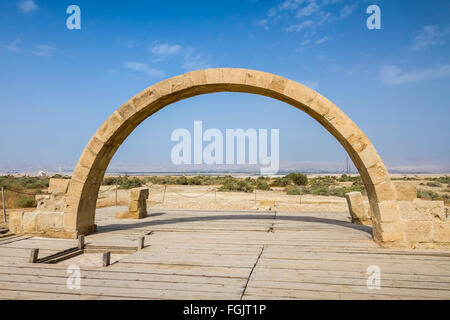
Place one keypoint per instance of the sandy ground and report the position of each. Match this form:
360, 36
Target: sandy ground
205, 197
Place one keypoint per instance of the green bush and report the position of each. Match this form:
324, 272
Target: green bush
298, 179
427, 194
130, 183
109, 181
26, 202
339, 192
434, 184
262, 185
59, 176
196, 181
181, 180
280, 182
345, 178
320, 191
24, 182
443, 179
237, 185
292, 190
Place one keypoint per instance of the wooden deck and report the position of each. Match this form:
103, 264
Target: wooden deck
226, 255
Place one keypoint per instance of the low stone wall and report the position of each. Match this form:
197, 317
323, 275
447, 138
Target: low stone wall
406, 190
50, 201
426, 223
137, 208
48, 218
423, 223
39, 223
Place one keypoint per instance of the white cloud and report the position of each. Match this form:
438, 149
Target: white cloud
393, 75
144, 68
311, 8
165, 49
262, 23
14, 46
28, 6
322, 40
299, 27
290, 4
324, 17
43, 50
194, 60
428, 37
188, 57
346, 11
305, 42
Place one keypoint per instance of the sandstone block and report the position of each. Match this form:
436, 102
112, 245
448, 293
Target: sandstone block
29, 222
358, 212
15, 222
410, 212
145, 98
418, 231
278, 84
48, 220
126, 110
137, 208
385, 190
388, 211
139, 194
130, 215
321, 105
388, 232
432, 208
299, 93
58, 185
406, 190
378, 173
441, 231
51, 202
369, 156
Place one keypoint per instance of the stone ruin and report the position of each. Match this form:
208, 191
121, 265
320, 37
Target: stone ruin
359, 213
391, 226
137, 208
425, 223
48, 218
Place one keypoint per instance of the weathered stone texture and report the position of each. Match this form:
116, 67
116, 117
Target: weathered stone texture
58, 185
406, 190
418, 231
50, 202
358, 211
389, 227
137, 208
36, 222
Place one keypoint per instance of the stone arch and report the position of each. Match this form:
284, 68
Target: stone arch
83, 189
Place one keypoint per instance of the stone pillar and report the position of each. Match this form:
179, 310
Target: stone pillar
357, 210
137, 208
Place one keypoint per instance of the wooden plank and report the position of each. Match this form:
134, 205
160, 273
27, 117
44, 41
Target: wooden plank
297, 289
105, 285
117, 292
123, 274
210, 255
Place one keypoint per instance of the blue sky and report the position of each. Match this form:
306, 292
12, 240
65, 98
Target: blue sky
59, 85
